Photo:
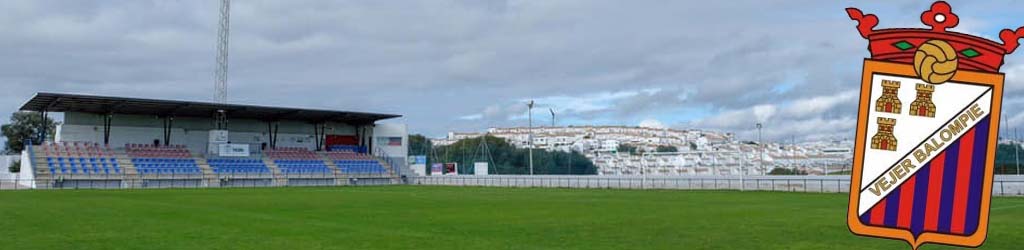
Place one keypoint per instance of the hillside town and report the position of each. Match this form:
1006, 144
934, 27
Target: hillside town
624, 150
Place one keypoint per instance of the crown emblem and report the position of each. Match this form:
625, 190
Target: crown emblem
950, 50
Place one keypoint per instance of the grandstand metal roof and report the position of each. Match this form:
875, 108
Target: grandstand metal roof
58, 102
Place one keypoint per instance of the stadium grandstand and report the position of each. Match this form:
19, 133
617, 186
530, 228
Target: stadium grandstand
119, 142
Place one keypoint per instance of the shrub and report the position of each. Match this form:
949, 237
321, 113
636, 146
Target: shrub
15, 167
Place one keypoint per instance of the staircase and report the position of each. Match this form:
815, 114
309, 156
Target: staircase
280, 179
41, 171
340, 178
131, 175
210, 179
380, 156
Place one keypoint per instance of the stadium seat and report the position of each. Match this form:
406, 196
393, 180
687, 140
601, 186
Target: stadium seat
238, 166
79, 158
298, 161
356, 163
162, 160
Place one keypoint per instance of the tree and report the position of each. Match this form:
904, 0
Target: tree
787, 171
667, 149
1006, 158
419, 145
15, 167
626, 148
25, 125
508, 159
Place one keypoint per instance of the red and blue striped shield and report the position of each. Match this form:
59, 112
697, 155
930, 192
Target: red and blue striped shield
924, 178
926, 131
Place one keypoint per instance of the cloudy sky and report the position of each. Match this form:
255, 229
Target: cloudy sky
468, 65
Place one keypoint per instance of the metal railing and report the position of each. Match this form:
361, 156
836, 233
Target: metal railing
1003, 185
379, 153
236, 180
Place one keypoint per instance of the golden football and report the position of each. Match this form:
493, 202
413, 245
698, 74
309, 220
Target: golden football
935, 61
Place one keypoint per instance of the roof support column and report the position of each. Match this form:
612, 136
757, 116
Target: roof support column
359, 135
369, 139
168, 124
43, 126
365, 134
277, 128
316, 136
272, 128
319, 135
107, 118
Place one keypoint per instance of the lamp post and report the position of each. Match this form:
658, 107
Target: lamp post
760, 147
552, 117
530, 136
568, 168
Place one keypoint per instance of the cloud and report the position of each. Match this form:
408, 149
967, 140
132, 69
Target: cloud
818, 104
652, 123
471, 117
806, 118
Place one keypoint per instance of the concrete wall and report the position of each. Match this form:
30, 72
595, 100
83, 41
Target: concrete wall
27, 173
397, 154
5, 163
21, 180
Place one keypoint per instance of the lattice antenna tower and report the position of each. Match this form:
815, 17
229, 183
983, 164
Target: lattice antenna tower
220, 81
223, 32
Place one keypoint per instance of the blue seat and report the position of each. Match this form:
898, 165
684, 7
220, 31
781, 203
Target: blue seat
171, 166
238, 166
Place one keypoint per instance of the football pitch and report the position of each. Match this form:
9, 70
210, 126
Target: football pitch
423, 217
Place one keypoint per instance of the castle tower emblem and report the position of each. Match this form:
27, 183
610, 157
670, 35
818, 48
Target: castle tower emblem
889, 102
884, 140
923, 105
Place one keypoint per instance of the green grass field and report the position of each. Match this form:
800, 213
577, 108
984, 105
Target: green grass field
419, 217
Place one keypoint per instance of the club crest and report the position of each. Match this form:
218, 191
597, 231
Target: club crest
926, 131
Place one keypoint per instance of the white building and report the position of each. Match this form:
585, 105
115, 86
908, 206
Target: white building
698, 152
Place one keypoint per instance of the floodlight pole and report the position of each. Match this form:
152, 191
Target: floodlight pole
529, 143
223, 33
1016, 148
792, 152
